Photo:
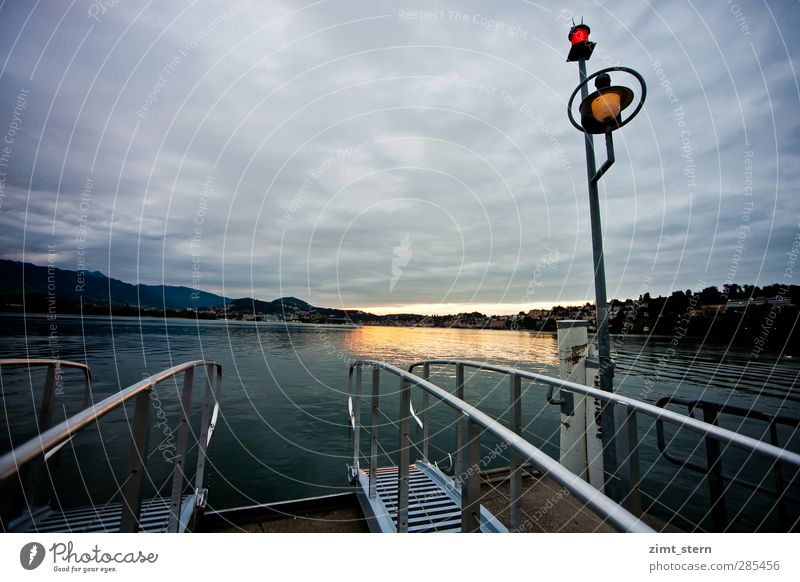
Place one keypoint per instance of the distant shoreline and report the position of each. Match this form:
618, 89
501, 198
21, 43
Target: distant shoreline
153, 316
40, 315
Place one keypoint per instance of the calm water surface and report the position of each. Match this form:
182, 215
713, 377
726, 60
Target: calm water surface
283, 431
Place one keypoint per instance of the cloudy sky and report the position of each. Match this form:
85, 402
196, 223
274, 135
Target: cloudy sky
396, 155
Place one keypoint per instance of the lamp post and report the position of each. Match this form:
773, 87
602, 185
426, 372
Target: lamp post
601, 113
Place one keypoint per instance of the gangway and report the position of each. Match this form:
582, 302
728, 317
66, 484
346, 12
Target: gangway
174, 513
783, 464
404, 495
407, 498
434, 501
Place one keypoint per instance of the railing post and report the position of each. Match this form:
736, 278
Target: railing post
373, 448
471, 479
46, 410
402, 473
36, 467
178, 472
357, 417
515, 475
630, 473
595, 447
459, 468
426, 404
131, 490
211, 394
716, 485
780, 503
87, 390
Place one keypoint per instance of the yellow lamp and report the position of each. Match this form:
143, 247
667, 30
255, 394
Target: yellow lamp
606, 107
601, 110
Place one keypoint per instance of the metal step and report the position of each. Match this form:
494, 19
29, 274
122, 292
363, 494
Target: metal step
106, 518
434, 502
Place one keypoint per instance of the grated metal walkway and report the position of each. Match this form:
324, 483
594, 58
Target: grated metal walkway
430, 508
434, 503
154, 518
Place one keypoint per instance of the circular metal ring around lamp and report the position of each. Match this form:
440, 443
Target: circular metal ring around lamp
638, 108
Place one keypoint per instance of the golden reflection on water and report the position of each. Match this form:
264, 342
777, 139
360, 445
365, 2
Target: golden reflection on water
404, 345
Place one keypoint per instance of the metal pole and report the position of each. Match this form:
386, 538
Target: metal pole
402, 473
357, 428
131, 490
211, 389
33, 480
178, 472
515, 480
780, 504
373, 437
716, 483
426, 404
471, 480
459, 468
603, 339
629, 471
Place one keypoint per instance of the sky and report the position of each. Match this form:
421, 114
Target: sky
397, 156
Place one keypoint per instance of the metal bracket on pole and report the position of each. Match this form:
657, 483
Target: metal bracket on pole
609, 158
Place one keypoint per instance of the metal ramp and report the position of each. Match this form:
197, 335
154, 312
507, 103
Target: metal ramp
434, 503
154, 518
27, 470
418, 497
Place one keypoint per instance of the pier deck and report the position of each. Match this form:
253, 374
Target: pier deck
544, 506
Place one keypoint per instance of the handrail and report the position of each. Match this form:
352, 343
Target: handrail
713, 468
693, 424
45, 413
54, 366
50, 382
43, 362
474, 420
55, 436
629, 472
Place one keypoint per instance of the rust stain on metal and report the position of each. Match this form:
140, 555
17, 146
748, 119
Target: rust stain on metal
577, 353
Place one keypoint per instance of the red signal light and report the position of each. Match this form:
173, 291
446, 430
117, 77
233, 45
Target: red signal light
579, 33
582, 47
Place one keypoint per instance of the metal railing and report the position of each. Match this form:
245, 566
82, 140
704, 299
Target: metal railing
713, 467
39, 448
53, 379
472, 422
627, 432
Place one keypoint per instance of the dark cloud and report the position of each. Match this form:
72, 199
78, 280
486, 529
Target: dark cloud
365, 154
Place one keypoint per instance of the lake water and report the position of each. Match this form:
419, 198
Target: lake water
283, 431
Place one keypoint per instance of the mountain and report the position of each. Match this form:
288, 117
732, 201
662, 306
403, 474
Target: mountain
94, 288
282, 306
72, 289
291, 304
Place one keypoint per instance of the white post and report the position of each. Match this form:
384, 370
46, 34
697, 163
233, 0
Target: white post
580, 448
572, 346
